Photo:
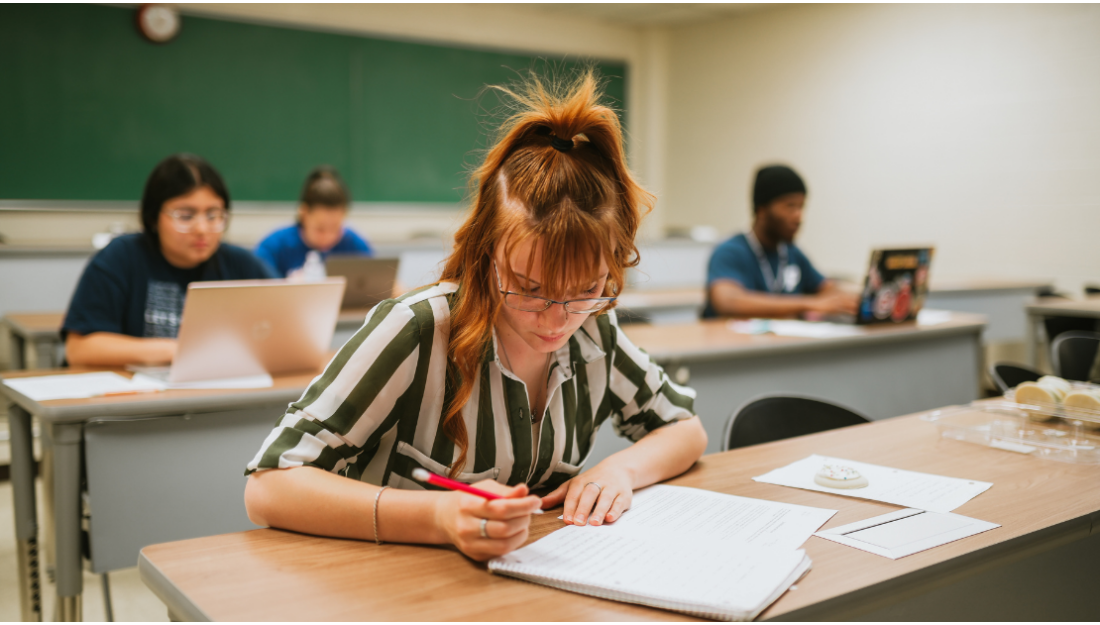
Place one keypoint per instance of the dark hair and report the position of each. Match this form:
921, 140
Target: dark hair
772, 182
176, 175
324, 187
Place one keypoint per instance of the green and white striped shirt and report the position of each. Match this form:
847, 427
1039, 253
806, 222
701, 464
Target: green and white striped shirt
374, 413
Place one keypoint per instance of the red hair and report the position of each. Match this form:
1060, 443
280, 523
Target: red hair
577, 201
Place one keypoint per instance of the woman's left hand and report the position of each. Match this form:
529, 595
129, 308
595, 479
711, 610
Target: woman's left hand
595, 497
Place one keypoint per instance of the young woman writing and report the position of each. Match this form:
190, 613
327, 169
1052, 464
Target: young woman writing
128, 302
501, 374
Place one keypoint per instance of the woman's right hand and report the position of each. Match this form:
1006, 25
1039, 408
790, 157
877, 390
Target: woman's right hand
459, 515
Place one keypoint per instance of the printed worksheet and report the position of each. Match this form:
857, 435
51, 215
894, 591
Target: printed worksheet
911, 489
905, 532
678, 511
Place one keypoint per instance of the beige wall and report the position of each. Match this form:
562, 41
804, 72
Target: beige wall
973, 127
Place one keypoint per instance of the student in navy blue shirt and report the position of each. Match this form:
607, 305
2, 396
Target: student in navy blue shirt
322, 210
761, 273
128, 302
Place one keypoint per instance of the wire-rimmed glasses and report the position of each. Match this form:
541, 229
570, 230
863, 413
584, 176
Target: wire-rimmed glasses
185, 219
534, 303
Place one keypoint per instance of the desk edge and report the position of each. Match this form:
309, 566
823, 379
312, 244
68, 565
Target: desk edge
178, 603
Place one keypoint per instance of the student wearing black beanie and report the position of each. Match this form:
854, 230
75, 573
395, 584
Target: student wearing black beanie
761, 273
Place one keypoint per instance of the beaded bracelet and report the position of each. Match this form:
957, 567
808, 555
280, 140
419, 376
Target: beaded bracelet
377, 540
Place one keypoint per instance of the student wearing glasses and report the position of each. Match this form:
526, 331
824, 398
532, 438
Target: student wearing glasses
128, 303
502, 373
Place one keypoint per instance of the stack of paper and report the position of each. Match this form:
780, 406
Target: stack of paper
77, 385
694, 551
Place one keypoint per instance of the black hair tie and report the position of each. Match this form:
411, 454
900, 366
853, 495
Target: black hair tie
561, 145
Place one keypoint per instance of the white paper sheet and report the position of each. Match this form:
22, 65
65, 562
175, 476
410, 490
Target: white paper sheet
679, 511
77, 385
905, 532
932, 317
791, 327
251, 381
911, 489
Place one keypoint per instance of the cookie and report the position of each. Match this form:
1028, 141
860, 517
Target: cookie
1087, 400
839, 476
1033, 393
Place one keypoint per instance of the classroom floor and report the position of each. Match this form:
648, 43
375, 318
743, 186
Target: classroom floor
130, 598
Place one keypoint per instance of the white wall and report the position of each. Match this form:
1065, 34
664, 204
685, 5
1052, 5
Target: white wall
973, 127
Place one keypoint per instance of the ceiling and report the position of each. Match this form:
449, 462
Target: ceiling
651, 14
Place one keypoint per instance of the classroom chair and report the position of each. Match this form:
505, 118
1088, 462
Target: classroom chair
1008, 375
776, 417
1073, 353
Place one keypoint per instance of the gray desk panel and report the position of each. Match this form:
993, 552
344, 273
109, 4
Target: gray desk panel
184, 478
1004, 307
881, 380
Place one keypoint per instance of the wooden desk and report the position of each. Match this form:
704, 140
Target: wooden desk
885, 370
39, 331
1043, 307
1041, 505
157, 466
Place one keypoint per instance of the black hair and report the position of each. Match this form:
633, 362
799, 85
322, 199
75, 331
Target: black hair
325, 187
176, 175
772, 182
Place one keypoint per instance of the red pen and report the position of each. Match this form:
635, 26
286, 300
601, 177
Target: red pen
431, 478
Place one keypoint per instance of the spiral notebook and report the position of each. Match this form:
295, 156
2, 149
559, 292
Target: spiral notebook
682, 549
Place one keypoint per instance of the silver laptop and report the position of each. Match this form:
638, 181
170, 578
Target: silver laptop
240, 328
370, 280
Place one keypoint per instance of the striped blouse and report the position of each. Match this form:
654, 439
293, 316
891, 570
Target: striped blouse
374, 413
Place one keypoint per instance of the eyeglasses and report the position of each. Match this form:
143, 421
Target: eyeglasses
533, 303
185, 219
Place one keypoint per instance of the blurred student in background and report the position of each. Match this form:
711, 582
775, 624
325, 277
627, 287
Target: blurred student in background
128, 302
761, 273
320, 230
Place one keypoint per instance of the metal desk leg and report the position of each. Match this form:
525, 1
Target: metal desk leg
66, 439
18, 351
45, 351
26, 523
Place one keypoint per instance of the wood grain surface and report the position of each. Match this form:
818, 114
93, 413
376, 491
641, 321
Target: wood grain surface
277, 575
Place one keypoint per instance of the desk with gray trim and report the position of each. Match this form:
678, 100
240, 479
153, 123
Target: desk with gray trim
157, 465
39, 333
886, 370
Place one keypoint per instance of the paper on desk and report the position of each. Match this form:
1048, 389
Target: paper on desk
251, 381
924, 491
791, 327
932, 317
676, 510
905, 532
76, 385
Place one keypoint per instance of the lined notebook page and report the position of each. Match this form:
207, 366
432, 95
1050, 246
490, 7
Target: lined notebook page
683, 549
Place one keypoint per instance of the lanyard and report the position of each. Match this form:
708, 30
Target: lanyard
774, 281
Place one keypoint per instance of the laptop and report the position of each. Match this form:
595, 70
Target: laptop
896, 285
369, 280
244, 328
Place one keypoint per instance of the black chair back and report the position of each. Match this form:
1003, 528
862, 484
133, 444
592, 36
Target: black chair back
1009, 375
776, 417
1073, 353
1092, 289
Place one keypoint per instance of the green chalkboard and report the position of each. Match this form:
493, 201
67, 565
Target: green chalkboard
87, 106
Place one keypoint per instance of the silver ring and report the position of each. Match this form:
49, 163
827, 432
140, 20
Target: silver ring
597, 486
481, 528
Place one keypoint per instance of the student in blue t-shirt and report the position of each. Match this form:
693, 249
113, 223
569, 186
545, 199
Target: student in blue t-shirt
128, 302
761, 273
322, 210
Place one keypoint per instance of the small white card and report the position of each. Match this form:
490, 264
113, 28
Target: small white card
905, 532
911, 489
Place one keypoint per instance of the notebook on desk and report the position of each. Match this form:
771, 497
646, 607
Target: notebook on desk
693, 551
